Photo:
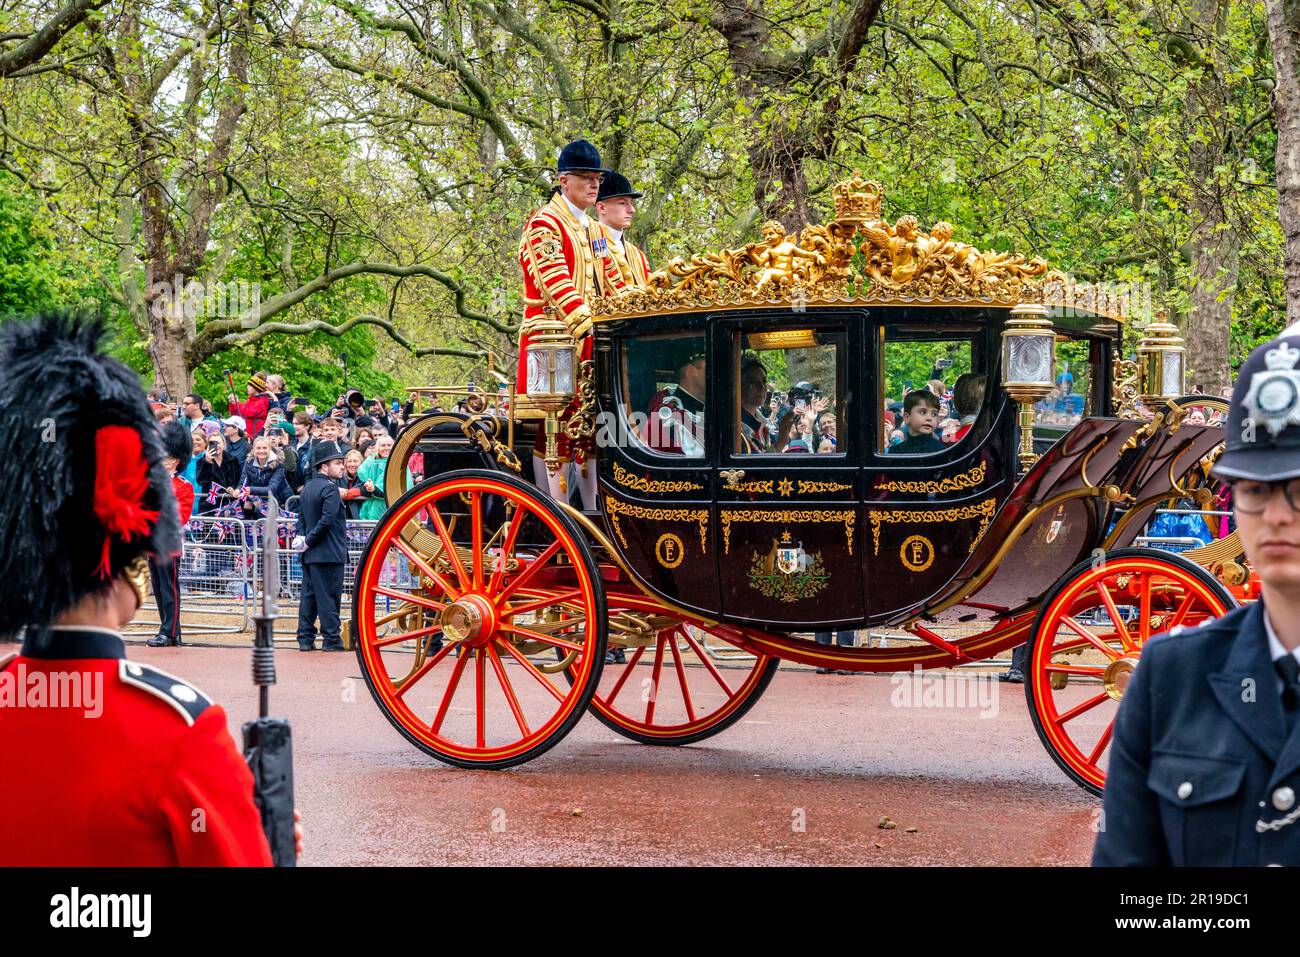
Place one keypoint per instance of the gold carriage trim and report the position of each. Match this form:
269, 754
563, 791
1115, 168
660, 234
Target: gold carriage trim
807, 487
953, 483
983, 510
784, 516
616, 509
755, 486
641, 483
857, 259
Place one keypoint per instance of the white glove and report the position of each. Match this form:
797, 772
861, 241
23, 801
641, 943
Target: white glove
299, 544
579, 323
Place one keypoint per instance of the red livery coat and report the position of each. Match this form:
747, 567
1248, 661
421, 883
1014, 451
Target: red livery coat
562, 270
633, 267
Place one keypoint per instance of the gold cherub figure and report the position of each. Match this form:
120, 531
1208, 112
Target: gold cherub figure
776, 257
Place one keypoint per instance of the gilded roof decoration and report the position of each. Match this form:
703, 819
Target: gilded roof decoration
857, 258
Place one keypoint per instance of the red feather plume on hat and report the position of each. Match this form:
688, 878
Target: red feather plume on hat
121, 481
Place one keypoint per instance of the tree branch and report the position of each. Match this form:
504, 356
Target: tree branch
43, 40
225, 330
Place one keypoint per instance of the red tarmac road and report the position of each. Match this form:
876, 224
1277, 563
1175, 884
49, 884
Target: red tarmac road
804, 778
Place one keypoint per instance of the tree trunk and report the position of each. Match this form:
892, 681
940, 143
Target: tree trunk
1216, 263
1284, 33
1214, 244
171, 330
780, 185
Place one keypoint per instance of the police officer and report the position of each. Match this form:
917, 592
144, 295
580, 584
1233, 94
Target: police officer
1205, 761
107, 761
322, 539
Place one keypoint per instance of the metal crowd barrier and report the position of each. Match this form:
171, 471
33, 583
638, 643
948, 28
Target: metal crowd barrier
220, 575
215, 587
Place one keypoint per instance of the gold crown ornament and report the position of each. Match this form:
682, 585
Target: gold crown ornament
857, 200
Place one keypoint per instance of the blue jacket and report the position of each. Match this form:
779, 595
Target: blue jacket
322, 521
1200, 754
261, 479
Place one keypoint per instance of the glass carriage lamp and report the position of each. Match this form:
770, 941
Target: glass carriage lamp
1160, 357
551, 360
1028, 354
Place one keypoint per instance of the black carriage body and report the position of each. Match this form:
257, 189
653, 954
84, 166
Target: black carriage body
882, 538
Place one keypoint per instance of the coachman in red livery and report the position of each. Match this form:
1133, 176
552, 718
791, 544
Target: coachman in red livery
565, 260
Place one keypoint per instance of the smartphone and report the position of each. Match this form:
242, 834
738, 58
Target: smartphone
396, 405
800, 405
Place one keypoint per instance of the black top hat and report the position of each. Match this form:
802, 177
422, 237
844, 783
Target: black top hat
82, 506
615, 185
323, 451
1262, 437
579, 157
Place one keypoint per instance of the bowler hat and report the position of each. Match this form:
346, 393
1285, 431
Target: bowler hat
615, 185
1262, 436
579, 157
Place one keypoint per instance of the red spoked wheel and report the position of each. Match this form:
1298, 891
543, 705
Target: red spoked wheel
1088, 637
502, 580
670, 690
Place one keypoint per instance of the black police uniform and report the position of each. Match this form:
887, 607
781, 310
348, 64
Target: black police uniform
1205, 760
322, 522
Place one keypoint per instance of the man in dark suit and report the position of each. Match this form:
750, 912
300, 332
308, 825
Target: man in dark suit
1205, 761
322, 539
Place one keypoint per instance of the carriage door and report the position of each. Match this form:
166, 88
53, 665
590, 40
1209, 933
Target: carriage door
788, 474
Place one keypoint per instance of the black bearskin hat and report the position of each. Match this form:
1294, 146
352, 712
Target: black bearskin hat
178, 443
81, 466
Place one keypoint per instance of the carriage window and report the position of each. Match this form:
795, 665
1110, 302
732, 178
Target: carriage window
788, 392
930, 392
664, 388
1064, 406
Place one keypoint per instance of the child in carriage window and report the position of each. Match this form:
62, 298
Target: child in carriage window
920, 417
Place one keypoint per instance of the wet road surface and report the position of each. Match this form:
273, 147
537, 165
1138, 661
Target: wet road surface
804, 778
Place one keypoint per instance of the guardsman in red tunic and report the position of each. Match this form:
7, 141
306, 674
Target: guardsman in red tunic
107, 762
164, 570
565, 261
615, 205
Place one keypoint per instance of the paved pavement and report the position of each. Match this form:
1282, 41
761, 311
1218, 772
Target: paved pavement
805, 778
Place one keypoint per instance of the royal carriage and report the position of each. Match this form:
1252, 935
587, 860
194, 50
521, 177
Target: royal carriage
483, 608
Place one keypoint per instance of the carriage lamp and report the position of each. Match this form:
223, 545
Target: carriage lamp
1160, 357
550, 364
1028, 353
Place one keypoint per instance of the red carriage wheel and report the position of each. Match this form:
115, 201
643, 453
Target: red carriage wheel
505, 580
1088, 637
670, 691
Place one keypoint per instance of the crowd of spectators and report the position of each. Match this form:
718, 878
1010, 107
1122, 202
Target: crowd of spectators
262, 445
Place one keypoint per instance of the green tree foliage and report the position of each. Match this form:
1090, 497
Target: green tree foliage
387, 154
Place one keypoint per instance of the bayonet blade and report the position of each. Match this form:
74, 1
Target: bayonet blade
271, 556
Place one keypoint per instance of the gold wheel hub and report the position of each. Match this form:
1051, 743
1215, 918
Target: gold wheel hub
1115, 678
469, 619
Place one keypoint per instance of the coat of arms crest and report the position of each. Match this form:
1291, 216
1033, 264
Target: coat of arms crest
787, 573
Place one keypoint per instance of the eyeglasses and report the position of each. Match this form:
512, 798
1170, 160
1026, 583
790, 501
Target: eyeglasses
596, 178
1253, 497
